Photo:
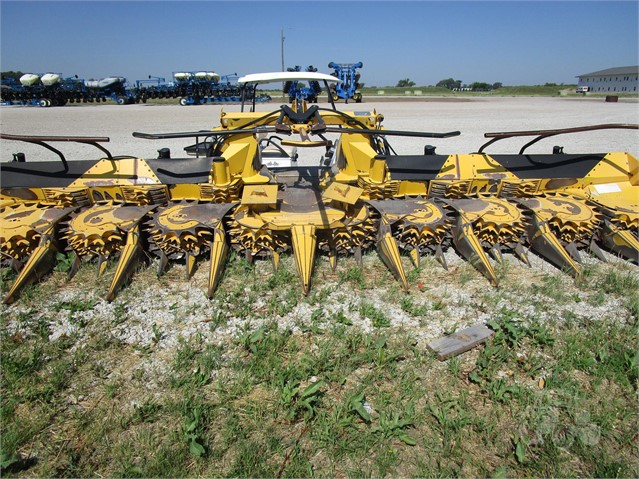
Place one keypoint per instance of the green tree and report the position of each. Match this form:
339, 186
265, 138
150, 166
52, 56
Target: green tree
406, 82
449, 83
480, 86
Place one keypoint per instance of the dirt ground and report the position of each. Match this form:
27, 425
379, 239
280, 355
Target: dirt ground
472, 118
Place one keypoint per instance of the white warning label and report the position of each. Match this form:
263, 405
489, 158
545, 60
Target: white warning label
607, 188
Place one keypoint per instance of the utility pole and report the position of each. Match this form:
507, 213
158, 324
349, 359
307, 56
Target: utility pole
282, 37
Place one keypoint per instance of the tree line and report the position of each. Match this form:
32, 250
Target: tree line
453, 84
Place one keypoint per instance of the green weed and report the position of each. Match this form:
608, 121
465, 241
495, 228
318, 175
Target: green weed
408, 305
618, 282
64, 261
7, 277
341, 318
391, 425
553, 287
76, 305
191, 434
451, 419
296, 400
354, 275
376, 315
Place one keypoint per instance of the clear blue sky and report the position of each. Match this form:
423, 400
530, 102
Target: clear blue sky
513, 42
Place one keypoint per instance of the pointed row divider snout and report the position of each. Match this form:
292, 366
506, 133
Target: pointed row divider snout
470, 247
621, 241
521, 253
332, 259
75, 267
304, 247
102, 265
190, 265
163, 263
275, 260
596, 250
545, 243
42, 259
219, 252
128, 259
414, 256
40, 262
389, 252
439, 256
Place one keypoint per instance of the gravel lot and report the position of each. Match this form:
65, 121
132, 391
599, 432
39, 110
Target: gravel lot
473, 117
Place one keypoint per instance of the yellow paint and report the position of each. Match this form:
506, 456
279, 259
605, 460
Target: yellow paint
343, 193
304, 247
219, 250
358, 153
39, 255
613, 168
123, 269
329, 218
239, 154
126, 171
260, 195
221, 173
412, 188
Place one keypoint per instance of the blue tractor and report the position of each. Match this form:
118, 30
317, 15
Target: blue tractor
349, 86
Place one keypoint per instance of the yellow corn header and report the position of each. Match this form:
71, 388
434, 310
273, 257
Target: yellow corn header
243, 191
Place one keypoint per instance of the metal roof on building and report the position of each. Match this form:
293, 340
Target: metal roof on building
612, 71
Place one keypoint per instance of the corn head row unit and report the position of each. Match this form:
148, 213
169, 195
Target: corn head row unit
243, 192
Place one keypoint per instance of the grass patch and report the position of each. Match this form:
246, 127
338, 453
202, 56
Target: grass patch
271, 383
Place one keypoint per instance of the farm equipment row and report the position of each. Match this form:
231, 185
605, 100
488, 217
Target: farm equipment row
51, 89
